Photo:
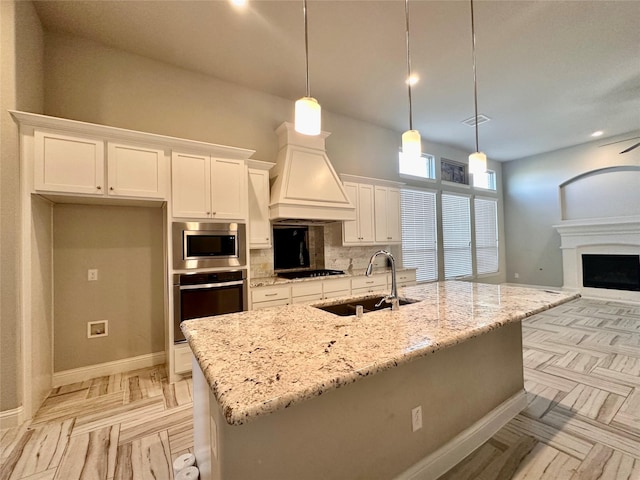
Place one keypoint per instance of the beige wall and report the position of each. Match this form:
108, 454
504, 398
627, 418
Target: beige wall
21, 88
532, 204
125, 245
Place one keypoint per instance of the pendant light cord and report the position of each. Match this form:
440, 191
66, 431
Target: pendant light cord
406, 14
306, 46
475, 80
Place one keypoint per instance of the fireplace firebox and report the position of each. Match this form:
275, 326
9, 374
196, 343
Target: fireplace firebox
618, 272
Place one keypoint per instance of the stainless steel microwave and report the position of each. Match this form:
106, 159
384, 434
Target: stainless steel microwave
208, 244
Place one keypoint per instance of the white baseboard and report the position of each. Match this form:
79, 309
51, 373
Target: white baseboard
11, 418
108, 368
453, 452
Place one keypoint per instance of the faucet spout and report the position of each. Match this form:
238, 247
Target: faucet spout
392, 298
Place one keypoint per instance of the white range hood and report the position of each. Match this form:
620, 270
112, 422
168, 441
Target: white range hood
304, 186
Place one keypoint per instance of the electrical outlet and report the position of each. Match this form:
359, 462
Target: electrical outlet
416, 418
92, 274
516, 275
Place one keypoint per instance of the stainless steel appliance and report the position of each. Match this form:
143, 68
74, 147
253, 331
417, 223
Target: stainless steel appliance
208, 244
197, 295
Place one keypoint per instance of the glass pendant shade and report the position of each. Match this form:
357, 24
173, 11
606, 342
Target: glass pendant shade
477, 163
308, 116
411, 144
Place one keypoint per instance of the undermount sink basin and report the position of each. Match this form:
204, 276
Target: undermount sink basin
368, 304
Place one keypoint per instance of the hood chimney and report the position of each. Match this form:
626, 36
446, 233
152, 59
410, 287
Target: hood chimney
304, 186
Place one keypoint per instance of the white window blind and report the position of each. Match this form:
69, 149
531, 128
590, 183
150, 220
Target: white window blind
419, 233
456, 235
486, 217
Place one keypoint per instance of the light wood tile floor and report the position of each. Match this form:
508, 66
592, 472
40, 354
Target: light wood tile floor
582, 376
582, 422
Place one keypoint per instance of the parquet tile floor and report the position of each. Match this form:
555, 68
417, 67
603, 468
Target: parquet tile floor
582, 422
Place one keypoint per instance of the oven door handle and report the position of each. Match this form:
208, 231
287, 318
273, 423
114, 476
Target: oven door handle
211, 285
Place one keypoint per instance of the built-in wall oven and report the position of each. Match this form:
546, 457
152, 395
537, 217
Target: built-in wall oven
208, 245
204, 294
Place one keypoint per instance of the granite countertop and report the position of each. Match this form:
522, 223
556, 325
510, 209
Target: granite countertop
262, 361
275, 280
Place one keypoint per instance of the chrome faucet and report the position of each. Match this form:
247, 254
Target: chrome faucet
392, 298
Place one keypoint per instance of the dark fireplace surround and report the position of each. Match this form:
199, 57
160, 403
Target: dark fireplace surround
617, 272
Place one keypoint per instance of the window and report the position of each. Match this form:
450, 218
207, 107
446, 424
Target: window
456, 235
486, 216
485, 180
419, 233
424, 167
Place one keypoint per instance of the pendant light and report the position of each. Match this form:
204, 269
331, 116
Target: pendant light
307, 110
411, 141
477, 160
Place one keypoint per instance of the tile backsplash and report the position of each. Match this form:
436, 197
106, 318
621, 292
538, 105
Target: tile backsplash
325, 251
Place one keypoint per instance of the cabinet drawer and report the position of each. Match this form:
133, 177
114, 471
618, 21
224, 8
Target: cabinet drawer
374, 281
270, 303
181, 358
339, 285
307, 298
306, 288
264, 294
404, 279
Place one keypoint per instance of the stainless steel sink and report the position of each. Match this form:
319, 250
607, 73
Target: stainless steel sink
368, 305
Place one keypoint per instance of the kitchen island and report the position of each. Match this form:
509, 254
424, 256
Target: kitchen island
298, 392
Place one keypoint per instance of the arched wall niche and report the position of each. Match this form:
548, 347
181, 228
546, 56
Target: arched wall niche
602, 193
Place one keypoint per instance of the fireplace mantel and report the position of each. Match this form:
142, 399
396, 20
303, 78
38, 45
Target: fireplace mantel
611, 235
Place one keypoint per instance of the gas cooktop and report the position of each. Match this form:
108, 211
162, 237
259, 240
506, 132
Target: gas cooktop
310, 273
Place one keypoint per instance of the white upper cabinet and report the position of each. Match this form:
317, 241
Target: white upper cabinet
361, 230
259, 224
206, 187
76, 164
387, 215
228, 189
68, 164
135, 171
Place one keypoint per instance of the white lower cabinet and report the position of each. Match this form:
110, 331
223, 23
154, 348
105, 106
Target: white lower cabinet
363, 284
271, 296
339, 287
405, 278
181, 358
305, 292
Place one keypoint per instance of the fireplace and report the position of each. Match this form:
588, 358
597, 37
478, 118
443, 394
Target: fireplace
600, 257
617, 272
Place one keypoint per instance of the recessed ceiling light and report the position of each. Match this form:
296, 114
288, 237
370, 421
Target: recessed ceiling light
239, 3
597, 134
412, 80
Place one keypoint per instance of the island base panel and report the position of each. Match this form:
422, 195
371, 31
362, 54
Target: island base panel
363, 430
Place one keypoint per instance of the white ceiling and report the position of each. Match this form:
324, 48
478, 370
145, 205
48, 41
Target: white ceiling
549, 72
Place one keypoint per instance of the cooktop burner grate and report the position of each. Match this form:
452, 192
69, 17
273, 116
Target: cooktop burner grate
310, 273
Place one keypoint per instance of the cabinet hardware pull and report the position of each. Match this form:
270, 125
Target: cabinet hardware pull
270, 294
208, 213
111, 188
99, 187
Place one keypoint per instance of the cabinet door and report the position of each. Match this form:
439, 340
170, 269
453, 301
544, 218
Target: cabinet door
70, 164
350, 233
366, 218
228, 189
136, 171
394, 222
259, 224
191, 187
387, 215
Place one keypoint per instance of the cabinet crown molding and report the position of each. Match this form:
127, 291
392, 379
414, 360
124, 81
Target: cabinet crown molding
370, 181
115, 133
